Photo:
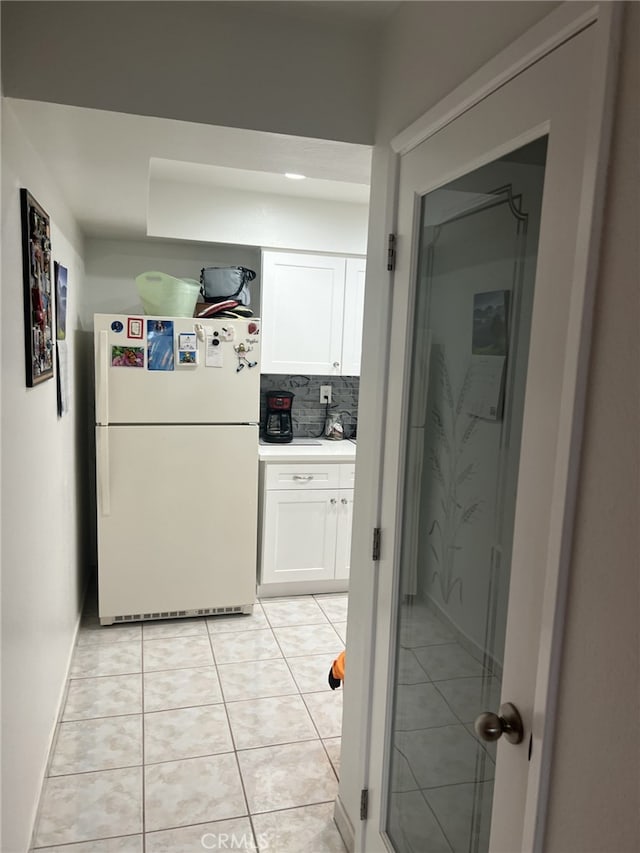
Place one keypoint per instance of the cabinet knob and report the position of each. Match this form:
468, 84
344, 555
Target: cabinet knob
333, 501
336, 364
344, 500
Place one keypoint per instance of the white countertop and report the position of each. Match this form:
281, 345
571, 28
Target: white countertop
299, 451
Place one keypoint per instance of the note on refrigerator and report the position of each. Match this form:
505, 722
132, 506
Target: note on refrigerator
213, 354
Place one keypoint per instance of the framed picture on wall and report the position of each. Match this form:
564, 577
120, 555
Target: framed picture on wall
39, 334
61, 274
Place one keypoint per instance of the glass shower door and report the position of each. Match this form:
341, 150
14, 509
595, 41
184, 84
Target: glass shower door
476, 265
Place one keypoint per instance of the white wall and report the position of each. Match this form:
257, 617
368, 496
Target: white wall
223, 215
235, 64
42, 526
595, 780
112, 266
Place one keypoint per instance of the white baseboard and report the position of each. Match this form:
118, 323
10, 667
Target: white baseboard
275, 590
345, 827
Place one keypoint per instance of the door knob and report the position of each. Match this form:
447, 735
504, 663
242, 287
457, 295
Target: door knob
507, 722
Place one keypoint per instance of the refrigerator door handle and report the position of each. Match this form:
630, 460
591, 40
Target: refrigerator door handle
102, 391
102, 452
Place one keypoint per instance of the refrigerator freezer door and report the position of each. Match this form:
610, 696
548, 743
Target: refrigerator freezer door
222, 386
177, 519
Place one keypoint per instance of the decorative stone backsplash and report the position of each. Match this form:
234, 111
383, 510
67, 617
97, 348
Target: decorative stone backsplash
308, 413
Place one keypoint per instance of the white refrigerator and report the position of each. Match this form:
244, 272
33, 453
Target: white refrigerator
177, 409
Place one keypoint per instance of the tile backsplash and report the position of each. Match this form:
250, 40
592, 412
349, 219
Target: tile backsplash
308, 413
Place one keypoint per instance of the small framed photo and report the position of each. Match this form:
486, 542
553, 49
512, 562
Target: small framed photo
134, 327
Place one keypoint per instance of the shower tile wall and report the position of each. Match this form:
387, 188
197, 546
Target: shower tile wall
308, 412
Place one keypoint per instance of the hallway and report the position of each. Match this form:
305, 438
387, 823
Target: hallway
198, 734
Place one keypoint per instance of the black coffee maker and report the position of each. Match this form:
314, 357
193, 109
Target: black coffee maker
278, 427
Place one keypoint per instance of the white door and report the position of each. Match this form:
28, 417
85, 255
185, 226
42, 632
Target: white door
353, 316
222, 386
486, 330
299, 535
343, 534
302, 308
177, 512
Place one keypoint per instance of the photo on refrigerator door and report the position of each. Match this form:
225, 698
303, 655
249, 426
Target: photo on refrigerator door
160, 345
127, 356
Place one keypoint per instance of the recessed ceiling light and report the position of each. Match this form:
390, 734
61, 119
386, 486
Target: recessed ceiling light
294, 177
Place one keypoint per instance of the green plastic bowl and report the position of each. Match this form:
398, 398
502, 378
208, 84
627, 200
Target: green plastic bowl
163, 295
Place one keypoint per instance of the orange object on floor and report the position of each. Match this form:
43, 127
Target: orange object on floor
336, 673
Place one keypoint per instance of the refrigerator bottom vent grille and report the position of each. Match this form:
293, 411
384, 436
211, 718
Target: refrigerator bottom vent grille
176, 614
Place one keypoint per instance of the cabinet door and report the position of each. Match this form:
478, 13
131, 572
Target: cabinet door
299, 535
343, 538
302, 305
353, 316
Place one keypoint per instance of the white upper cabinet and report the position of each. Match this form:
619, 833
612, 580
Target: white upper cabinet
353, 316
311, 314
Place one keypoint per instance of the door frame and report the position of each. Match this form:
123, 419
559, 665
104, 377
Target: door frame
536, 43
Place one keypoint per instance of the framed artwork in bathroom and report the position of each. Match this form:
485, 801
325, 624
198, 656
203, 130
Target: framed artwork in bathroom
39, 333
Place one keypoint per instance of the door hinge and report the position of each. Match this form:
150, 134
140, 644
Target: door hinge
375, 551
391, 252
364, 803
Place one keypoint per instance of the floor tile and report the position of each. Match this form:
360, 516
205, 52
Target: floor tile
309, 829
301, 640
186, 733
245, 646
448, 660
263, 722
126, 844
311, 672
238, 622
197, 790
101, 744
106, 659
161, 629
256, 679
334, 606
103, 697
444, 756
235, 834
412, 825
302, 610
94, 633
90, 805
421, 627
341, 630
468, 697
409, 669
401, 776
181, 688
420, 706
326, 712
464, 813
177, 652
281, 777
333, 745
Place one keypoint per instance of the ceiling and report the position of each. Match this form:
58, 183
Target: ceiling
104, 161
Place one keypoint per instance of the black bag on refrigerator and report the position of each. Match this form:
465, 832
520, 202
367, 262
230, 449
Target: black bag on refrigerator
218, 284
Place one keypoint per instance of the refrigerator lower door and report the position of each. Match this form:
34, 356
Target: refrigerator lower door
177, 520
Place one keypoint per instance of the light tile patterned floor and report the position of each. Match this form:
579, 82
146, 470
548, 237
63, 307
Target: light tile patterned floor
200, 734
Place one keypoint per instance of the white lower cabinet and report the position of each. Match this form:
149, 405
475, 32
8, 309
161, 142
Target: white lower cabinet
306, 525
